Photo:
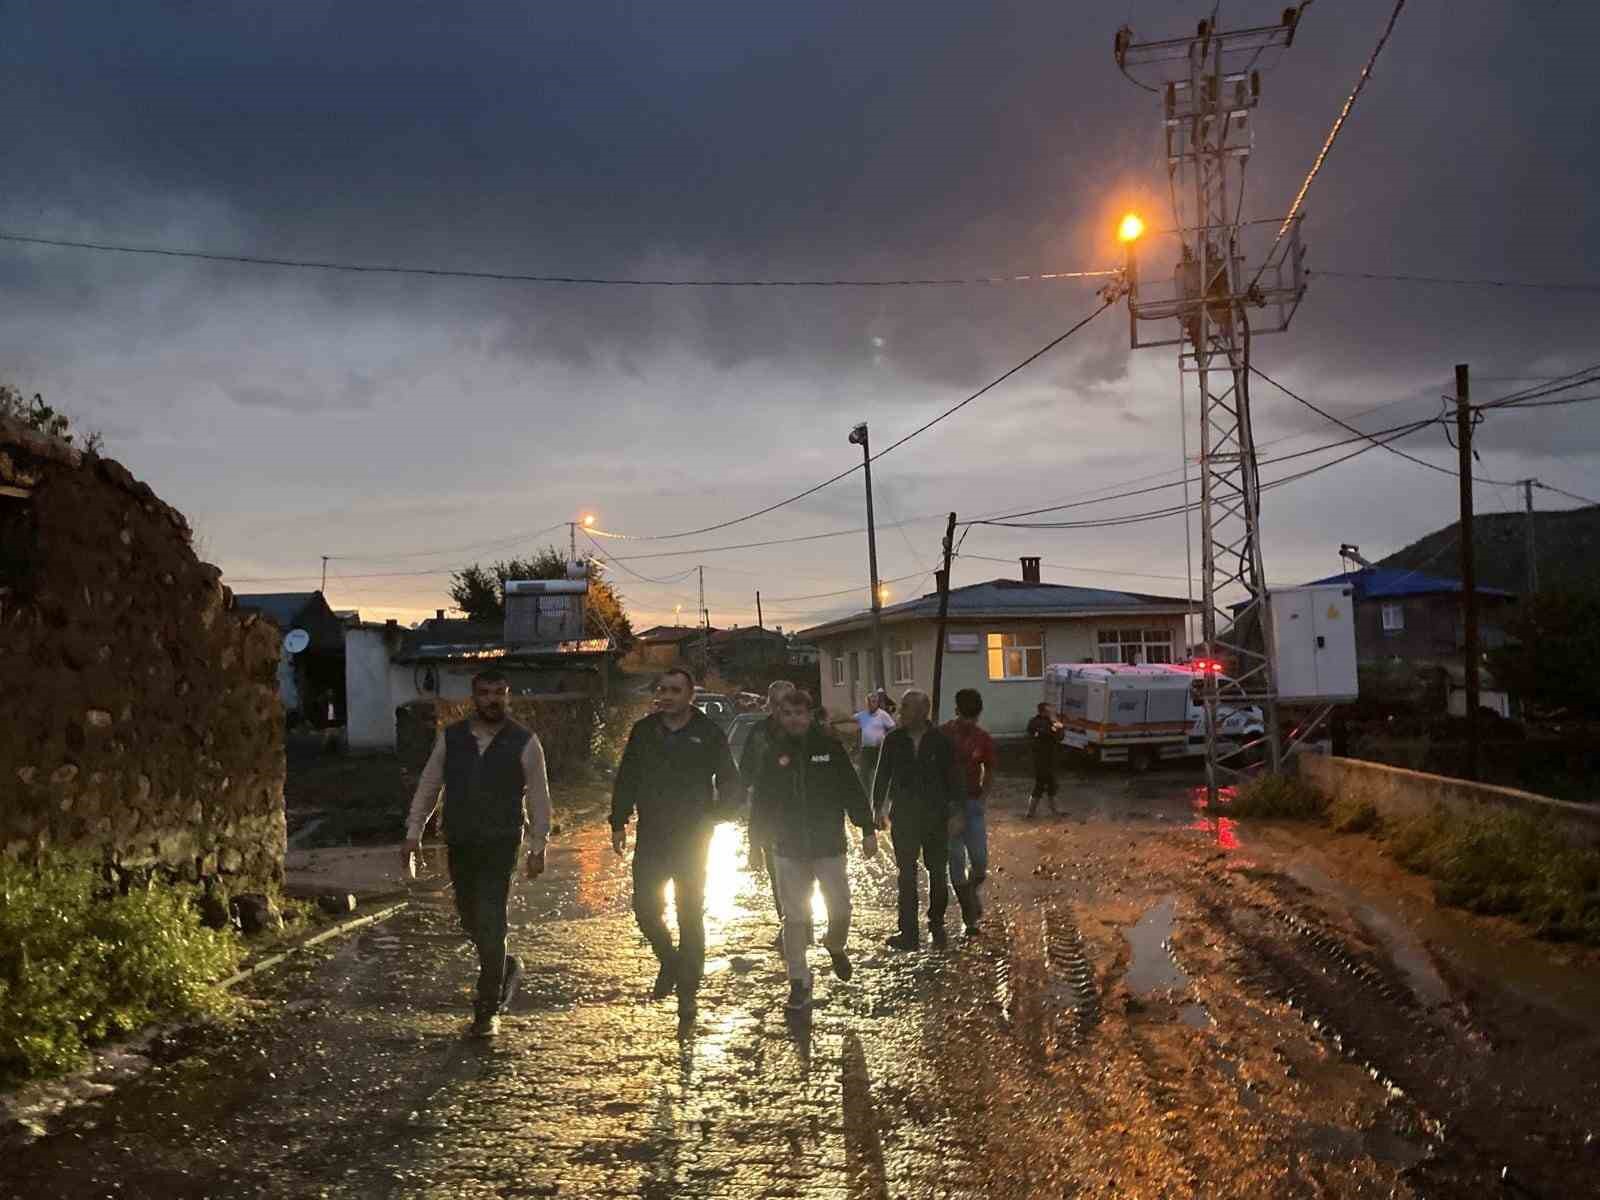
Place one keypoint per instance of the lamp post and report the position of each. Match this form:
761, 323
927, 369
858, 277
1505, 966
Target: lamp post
858, 437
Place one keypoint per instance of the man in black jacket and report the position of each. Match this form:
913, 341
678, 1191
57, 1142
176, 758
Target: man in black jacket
805, 787
755, 749
679, 775
919, 791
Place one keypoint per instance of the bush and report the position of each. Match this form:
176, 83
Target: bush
1352, 814
1279, 797
78, 965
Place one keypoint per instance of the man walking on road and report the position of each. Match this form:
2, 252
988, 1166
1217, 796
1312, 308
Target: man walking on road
492, 773
917, 793
969, 850
804, 790
755, 748
1044, 736
874, 721
679, 775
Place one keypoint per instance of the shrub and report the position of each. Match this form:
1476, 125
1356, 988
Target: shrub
1352, 814
78, 965
1281, 797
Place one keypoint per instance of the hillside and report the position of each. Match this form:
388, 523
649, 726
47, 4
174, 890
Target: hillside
1567, 547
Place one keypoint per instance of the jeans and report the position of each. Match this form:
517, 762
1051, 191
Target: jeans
969, 852
680, 860
867, 766
928, 839
795, 877
480, 873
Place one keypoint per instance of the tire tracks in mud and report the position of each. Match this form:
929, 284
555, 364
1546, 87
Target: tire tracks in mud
1440, 1071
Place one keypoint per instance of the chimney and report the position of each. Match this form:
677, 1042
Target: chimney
438, 615
1030, 568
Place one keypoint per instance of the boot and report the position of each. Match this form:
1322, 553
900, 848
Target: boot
971, 910
666, 980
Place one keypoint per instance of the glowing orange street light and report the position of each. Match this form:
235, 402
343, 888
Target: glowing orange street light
588, 520
1131, 228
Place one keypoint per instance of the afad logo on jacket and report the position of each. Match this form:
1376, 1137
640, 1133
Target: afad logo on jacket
822, 758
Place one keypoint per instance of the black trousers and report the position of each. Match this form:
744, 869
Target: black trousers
480, 873
927, 839
1044, 784
681, 861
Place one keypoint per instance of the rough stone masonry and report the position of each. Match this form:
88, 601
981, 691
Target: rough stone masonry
139, 720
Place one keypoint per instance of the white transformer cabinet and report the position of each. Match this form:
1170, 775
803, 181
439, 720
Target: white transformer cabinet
1312, 634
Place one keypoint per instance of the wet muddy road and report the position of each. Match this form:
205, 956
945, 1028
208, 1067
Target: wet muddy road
1160, 1005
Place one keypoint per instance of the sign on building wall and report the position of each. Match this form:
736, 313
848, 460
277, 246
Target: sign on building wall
962, 643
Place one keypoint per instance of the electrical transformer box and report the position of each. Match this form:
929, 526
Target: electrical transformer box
1312, 634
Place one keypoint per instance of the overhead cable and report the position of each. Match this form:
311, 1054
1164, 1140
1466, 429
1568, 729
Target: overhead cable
1459, 282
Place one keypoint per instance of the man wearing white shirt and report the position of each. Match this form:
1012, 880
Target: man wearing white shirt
874, 723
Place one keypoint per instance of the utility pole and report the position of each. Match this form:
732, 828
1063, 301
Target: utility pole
759, 623
943, 584
858, 437
324, 588
1469, 566
572, 541
1209, 90
705, 626
1532, 549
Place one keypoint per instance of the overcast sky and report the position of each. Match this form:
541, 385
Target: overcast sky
387, 420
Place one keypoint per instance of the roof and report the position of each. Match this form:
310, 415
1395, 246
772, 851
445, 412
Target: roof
1387, 583
281, 608
665, 634
1012, 598
438, 638
732, 635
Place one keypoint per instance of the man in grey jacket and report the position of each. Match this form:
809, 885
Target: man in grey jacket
491, 772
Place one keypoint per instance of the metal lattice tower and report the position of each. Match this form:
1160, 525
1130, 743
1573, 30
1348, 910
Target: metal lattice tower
1209, 89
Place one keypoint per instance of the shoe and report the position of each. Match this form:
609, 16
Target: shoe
904, 941
971, 929
939, 938
485, 1025
799, 997
666, 981
842, 970
509, 981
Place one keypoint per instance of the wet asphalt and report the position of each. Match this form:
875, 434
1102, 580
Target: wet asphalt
1099, 1038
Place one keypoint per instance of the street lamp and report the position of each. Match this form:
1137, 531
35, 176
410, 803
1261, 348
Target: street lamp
587, 521
858, 437
1130, 229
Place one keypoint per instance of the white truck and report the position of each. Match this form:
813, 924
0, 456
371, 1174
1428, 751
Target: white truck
1139, 715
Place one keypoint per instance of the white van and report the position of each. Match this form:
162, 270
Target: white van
1140, 715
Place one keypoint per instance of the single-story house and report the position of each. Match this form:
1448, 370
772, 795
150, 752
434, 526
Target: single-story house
736, 651
670, 645
1000, 635
1410, 620
311, 679
387, 667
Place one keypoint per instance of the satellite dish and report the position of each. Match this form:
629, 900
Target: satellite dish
296, 640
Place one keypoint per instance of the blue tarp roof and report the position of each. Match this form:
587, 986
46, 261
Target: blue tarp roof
1379, 583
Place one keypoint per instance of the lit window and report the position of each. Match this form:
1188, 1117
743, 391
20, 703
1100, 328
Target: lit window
1394, 618
838, 670
1018, 655
904, 663
1135, 647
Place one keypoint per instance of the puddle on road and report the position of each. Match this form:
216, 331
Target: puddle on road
1153, 968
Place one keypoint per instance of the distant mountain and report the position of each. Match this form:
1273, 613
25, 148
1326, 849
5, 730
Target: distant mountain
1566, 548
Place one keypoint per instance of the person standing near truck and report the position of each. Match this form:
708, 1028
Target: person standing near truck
969, 850
805, 789
678, 774
491, 772
1044, 738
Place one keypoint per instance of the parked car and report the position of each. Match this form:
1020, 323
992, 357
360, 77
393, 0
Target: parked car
739, 734
716, 706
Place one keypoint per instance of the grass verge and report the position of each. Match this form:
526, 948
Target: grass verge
1279, 797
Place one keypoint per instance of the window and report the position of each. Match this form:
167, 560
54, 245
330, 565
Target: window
838, 670
1018, 655
1394, 618
1135, 647
904, 661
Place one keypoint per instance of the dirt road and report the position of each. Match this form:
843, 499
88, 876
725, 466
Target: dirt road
1160, 1005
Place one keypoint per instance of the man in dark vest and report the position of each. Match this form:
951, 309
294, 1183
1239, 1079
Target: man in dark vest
678, 774
492, 774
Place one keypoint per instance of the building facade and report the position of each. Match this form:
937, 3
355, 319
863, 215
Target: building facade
999, 637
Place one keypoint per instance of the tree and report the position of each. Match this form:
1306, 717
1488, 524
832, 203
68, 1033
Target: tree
480, 592
35, 414
1550, 661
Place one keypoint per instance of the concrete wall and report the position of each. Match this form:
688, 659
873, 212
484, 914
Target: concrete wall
1398, 794
369, 710
1008, 705
139, 717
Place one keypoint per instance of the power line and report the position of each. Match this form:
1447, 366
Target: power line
1333, 134
501, 541
923, 428
1569, 495
1459, 282
1549, 403
257, 260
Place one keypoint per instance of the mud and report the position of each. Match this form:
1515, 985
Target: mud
1152, 1010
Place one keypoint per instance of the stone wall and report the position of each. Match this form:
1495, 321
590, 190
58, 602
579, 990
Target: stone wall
1398, 793
139, 719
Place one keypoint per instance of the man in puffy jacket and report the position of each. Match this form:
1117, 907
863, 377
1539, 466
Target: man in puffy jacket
918, 792
678, 774
805, 788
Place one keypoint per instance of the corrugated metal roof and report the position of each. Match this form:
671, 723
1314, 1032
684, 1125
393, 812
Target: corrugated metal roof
1378, 583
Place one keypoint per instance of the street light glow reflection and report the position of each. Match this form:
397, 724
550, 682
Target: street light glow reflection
1131, 229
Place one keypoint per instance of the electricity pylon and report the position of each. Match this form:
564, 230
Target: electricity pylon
1209, 88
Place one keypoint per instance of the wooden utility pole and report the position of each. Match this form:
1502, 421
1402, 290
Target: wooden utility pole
943, 576
324, 574
759, 624
1531, 548
858, 437
1469, 569
705, 627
